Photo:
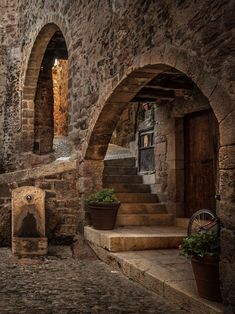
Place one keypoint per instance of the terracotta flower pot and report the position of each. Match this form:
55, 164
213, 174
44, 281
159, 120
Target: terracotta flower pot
206, 272
103, 216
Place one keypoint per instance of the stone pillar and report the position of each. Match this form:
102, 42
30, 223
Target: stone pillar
165, 153
175, 162
227, 216
90, 180
91, 176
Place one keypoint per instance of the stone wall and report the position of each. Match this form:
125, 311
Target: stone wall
162, 128
191, 36
64, 216
97, 62
9, 89
2, 98
125, 130
227, 214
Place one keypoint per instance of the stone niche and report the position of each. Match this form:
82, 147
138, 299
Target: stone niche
28, 222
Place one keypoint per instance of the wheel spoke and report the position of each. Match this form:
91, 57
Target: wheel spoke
203, 220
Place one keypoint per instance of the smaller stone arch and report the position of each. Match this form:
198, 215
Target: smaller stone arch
38, 84
35, 60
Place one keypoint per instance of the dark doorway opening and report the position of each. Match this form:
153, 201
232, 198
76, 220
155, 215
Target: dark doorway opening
51, 115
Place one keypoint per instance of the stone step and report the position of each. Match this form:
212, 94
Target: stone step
142, 208
145, 220
122, 162
136, 238
137, 197
122, 179
118, 187
120, 171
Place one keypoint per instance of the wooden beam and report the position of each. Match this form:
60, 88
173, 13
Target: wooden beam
153, 93
143, 100
168, 84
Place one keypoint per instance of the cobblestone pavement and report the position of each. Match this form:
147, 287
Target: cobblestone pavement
63, 284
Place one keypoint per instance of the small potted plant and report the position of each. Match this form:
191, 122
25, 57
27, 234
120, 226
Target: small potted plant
103, 207
203, 249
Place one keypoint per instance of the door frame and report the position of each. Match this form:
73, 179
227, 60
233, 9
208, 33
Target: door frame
175, 160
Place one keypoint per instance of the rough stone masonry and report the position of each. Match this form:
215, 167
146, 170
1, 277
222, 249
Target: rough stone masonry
109, 43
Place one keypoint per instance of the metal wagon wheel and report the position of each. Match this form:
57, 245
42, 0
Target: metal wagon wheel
203, 220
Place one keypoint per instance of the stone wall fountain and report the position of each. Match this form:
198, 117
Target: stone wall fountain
28, 222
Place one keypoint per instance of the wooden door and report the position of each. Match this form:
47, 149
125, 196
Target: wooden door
201, 147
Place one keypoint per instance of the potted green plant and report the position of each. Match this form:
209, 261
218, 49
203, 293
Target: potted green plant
203, 249
103, 207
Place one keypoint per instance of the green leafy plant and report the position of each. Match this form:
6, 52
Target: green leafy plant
103, 196
200, 244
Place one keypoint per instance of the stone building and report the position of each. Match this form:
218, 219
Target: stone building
175, 55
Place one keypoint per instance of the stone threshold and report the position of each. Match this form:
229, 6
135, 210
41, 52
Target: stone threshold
163, 272
37, 172
132, 238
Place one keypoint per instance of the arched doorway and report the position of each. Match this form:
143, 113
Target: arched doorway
177, 101
45, 104
51, 96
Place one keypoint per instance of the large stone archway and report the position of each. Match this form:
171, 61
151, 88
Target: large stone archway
222, 105
131, 89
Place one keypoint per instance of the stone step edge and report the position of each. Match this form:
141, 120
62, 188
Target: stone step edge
143, 203
123, 167
143, 208
140, 197
128, 242
123, 176
131, 161
126, 186
189, 303
122, 157
150, 215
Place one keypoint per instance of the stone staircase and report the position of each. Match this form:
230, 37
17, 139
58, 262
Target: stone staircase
138, 206
144, 243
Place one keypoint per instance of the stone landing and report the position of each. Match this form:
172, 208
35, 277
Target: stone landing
163, 272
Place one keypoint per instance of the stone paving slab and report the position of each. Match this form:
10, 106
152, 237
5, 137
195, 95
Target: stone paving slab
164, 272
61, 284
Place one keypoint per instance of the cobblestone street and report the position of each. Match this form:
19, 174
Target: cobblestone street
63, 284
